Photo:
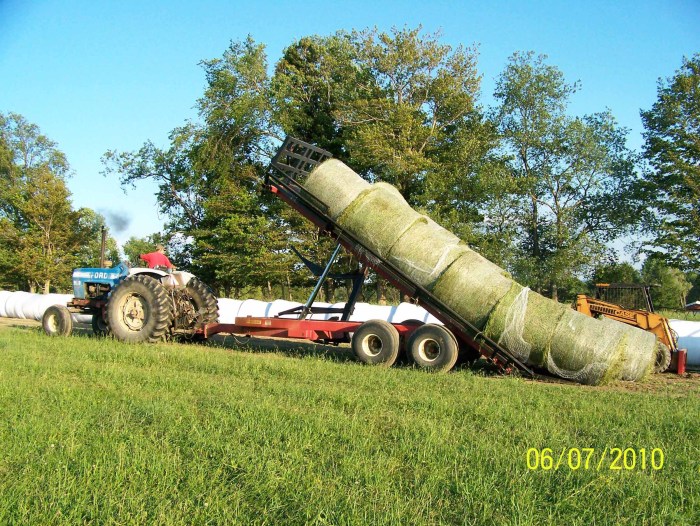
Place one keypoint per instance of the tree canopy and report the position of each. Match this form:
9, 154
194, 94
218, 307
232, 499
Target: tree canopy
538, 190
42, 238
672, 149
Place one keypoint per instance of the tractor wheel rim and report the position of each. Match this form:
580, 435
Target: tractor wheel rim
429, 350
133, 312
372, 345
53, 323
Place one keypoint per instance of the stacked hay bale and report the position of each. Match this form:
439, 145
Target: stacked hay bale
542, 332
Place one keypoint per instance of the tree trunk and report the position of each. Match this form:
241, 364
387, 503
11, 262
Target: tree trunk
381, 293
47, 286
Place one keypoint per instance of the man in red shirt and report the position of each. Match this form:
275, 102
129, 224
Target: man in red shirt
157, 259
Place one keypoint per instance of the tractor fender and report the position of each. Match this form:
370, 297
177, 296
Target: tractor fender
173, 280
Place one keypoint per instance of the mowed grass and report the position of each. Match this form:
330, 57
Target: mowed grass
96, 432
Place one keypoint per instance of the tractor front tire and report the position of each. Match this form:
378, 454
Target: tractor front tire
139, 310
57, 321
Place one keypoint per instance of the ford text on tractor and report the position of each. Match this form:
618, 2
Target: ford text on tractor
135, 304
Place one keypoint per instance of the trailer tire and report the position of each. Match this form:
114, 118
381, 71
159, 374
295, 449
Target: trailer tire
139, 310
57, 321
99, 325
663, 358
376, 342
433, 347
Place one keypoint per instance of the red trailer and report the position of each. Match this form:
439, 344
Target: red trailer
430, 346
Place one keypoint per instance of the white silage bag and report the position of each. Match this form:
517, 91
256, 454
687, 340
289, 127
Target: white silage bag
688, 339
4, 295
368, 311
228, 309
81, 318
277, 306
31, 306
15, 304
254, 308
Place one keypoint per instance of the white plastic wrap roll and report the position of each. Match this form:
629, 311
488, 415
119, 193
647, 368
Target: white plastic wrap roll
32, 306
228, 309
254, 308
4, 295
689, 339
14, 304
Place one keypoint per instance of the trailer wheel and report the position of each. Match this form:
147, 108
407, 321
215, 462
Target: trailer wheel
99, 325
139, 310
663, 358
57, 321
376, 342
433, 347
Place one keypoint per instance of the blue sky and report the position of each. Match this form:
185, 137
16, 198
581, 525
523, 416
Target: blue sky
99, 75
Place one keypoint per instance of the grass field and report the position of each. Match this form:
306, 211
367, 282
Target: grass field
96, 432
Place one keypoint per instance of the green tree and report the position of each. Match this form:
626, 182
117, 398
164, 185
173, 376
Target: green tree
210, 177
90, 225
37, 222
674, 286
616, 273
569, 179
672, 148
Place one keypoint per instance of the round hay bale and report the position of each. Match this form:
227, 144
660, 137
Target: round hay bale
587, 350
472, 286
378, 217
336, 185
524, 323
425, 250
639, 353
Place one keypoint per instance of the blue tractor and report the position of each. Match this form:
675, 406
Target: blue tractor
135, 304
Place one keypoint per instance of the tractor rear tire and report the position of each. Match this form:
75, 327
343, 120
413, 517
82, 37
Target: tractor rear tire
433, 348
203, 300
57, 321
376, 342
139, 310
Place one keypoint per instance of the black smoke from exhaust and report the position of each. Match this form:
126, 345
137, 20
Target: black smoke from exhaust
117, 222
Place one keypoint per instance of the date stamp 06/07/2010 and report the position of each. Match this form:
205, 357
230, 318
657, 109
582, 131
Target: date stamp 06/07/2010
598, 459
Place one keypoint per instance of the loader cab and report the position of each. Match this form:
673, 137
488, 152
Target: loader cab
628, 295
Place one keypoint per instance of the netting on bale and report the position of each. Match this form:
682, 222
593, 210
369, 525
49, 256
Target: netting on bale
425, 250
639, 354
540, 331
335, 185
378, 217
473, 286
587, 350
